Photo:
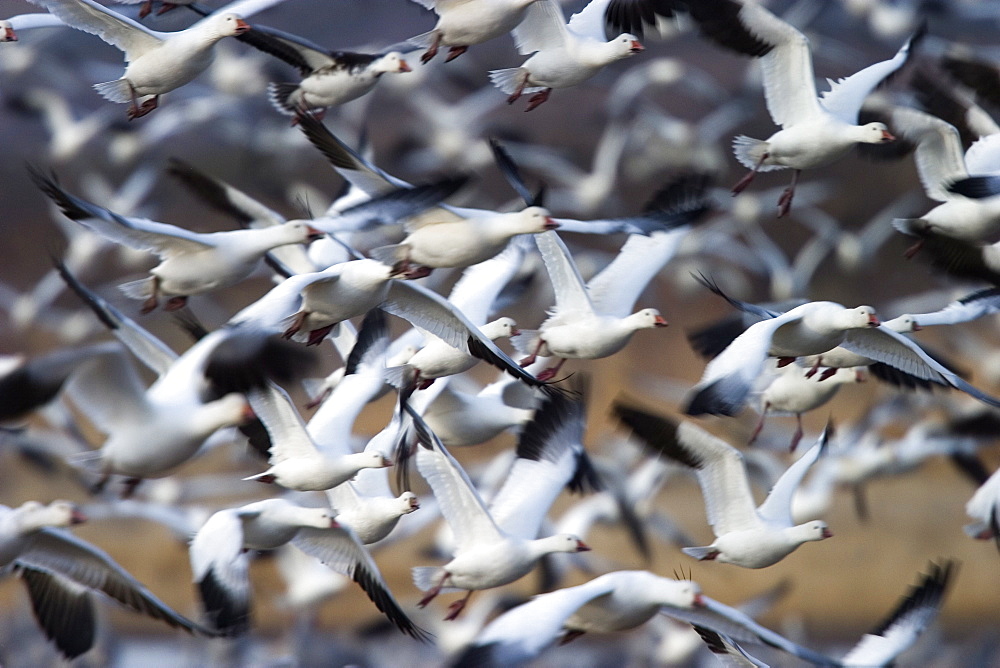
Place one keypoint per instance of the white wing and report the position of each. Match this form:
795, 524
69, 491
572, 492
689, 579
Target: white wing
570, 290
939, 150
777, 507
789, 85
457, 497
729, 504
977, 305
616, 288
480, 284
521, 633
983, 157
589, 21
845, 97
289, 439
130, 36
543, 27
217, 552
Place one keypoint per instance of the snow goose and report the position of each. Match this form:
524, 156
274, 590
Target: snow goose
940, 163
10, 26
811, 329
157, 62
461, 418
612, 602
496, 546
565, 54
329, 78
746, 536
60, 570
815, 130
191, 262
793, 390
474, 295
296, 462
119, 404
220, 562
593, 321
462, 23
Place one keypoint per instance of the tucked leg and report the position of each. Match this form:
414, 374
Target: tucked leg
538, 98
745, 181
429, 596
456, 608
454, 52
785, 201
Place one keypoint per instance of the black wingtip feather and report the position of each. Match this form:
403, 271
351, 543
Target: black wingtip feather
66, 616
225, 614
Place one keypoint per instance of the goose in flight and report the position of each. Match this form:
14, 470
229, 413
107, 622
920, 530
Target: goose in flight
815, 130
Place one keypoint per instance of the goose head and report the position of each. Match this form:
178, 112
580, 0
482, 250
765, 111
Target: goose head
230, 25
370, 460
392, 62
562, 542
34, 515
501, 327
874, 133
535, 219
408, 502
302, 231
647, 318
810, 531
7, 33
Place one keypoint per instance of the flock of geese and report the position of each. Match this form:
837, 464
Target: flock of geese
275, 342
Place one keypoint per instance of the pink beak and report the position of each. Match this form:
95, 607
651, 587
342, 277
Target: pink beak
873, 320
887, 136
917, 327
660, 322
699, 600
387, 461
334, 524
514, 331
827, 533
415, 503
313, 234
636, 47
241, 26
248, 413
9, 35
860, 376
404, 66
582, 547
77, 517
550, 224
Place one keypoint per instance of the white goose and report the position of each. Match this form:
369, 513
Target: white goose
10, 26
220, 562
612, 602
296, 462
497, 546
462, 23
60, 570
565, 54
150, 430
590, 321
984, 509
329, 78
191, 262
815, 130
158, 62
940, 164
811, 329
746, 535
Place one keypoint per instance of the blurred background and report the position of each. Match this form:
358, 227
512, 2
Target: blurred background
603, 149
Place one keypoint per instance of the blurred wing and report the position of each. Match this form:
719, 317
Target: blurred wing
570, 290
543, 27
289, 439
777, 507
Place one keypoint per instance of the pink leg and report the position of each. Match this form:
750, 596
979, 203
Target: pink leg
745, 181
538, 98
797, 436
431, 50
166, 7
316, 336
913, 250
815, 367
826, 374
549, 374
570, 636
296, 325
785, 201
760, 423
520, 89
175, 303
530, 359
454, 52
433, 592
150, 304
146, 8
456, 608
